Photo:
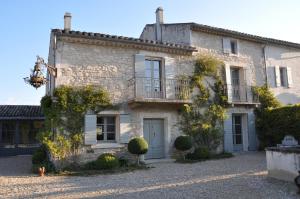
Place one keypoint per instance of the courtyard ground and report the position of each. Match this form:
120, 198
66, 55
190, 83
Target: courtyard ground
243, 176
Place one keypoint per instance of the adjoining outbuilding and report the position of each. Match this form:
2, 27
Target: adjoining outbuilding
19, 125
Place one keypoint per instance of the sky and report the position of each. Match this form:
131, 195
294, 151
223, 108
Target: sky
26, 25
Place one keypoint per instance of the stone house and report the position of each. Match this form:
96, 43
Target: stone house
143, 79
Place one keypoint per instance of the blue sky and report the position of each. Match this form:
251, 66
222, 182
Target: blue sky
25, 27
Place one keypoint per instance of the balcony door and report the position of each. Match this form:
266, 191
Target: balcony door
152, 81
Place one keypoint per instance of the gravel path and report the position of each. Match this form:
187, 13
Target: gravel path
243, 176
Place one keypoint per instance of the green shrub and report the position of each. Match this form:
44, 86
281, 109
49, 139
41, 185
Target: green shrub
123, 162
183, 143
138, 146
39, 156
201, 153
276, 123
107, 161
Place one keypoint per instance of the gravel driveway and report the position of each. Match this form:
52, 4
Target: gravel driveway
243, 176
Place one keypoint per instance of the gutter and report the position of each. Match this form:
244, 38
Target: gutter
265, 64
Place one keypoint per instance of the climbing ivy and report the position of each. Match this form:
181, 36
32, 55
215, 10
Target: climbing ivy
203, 119
70, 104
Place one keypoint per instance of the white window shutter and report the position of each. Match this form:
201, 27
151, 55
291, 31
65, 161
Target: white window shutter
289, 77
125, 128
90, 129
139, 65
169, 74
277, 76
226, 45
228, 82
139, 72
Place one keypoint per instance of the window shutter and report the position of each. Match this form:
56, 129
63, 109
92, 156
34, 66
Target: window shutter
228, 82
169, 74
289, 77
226, 45
228, 142
251, 132
247, 85
125, 128
277, 76
90, 129
139, 72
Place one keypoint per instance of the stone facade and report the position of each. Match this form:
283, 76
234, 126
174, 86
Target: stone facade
115, 64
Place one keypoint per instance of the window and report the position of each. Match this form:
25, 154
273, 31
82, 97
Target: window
233, 46
106, 128
283, 76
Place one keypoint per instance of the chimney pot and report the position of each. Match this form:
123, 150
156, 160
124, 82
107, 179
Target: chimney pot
67, 21
159, 15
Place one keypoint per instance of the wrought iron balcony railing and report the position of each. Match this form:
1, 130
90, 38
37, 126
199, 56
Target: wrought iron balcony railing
241, 93
169, 89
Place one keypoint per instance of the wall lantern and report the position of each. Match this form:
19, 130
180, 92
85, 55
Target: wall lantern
37, 78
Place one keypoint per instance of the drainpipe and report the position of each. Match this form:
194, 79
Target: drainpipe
265, 64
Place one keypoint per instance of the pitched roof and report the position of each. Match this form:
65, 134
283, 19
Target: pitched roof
235, 34
20, 112
124, 40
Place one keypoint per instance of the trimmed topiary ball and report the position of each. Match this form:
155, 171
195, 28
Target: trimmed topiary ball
107, 161
183, 143
138, 146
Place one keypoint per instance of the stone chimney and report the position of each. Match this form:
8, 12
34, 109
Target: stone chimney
159, 21
67, 21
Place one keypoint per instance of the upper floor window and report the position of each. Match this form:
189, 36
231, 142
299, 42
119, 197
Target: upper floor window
233, 46
230, 46
106, 128
283, 77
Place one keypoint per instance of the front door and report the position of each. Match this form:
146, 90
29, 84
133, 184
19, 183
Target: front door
154, 135
237, 132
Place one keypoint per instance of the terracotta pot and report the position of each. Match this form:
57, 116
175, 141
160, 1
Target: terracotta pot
42, 171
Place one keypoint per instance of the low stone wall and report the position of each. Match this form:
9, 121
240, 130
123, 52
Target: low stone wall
283, 163
87, 154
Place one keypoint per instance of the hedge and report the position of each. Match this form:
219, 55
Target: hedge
275, 123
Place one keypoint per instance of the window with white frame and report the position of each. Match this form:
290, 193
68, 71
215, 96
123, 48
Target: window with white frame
106, 128
283, 77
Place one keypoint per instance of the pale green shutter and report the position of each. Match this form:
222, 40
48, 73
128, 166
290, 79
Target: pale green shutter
125, 128
170, 82
289, 77
228, 82
226, 45
277, 76
90, 128
139, 72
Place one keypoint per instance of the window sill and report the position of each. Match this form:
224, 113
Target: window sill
107, 145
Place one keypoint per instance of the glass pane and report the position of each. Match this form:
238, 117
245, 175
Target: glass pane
110, 128
100, 130
110, 136
238, 139
110, 120
100, 120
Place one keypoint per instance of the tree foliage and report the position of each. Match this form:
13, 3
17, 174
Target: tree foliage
203, 118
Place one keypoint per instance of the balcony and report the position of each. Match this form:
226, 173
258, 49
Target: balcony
241, 94
152, 90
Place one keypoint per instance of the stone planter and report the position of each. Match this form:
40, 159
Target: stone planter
283, 163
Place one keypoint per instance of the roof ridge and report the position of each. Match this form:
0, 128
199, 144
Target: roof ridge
122, 38
216, 30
